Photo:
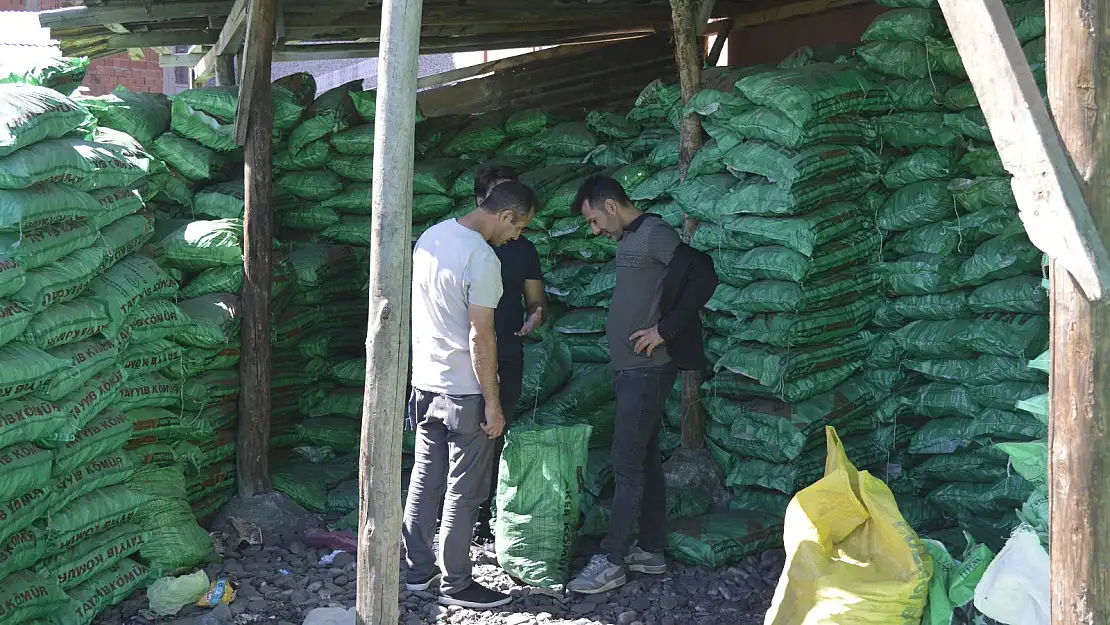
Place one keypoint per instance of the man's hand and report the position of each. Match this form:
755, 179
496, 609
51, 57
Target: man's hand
495, 421
534, 321
646, 340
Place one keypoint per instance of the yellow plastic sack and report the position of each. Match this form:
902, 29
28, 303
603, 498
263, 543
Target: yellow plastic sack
851, 559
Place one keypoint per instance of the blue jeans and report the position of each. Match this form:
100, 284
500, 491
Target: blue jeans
641, 490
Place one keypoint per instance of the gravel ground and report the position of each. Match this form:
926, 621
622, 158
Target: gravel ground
280, 586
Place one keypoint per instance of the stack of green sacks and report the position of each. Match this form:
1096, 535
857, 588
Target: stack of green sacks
964, 308
73, 213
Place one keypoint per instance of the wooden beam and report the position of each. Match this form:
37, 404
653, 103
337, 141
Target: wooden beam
229, 41
686, 15
500, 65
1049, 197
162, 38
1079, 425
124, 13
719, 44
225, 71
179, 60
314, 52
256, 117
387, 340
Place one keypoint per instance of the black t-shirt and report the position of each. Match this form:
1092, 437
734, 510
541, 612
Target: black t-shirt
519, 262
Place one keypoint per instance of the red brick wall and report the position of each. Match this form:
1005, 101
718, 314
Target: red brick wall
106, 73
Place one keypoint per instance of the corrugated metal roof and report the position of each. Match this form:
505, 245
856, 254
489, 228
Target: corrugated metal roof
21, 38
21, 28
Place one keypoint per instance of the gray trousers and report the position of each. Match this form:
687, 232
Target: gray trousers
454, 461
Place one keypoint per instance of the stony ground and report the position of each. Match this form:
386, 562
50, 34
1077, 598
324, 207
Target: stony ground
280, 586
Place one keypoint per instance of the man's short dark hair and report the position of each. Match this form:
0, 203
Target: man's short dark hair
596, 190
489, 177
513, 196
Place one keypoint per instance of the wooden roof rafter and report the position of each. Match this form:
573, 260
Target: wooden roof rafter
446, 26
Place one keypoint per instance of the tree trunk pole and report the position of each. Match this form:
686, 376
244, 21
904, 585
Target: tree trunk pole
688, 59
1079, 426
387, 342
254, 368
225, 70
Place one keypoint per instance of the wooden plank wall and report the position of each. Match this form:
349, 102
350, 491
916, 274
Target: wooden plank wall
610, 77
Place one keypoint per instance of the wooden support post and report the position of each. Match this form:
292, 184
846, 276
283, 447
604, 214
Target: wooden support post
1079, 429
225, 70
688, 59
387, 340
256, 119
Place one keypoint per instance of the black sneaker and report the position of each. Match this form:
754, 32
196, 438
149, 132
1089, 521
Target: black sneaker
424, 584
477, 597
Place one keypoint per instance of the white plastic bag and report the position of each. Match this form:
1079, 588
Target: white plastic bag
1015, 587
330, 616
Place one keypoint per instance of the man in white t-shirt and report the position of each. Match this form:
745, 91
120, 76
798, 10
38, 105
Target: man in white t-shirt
455, 406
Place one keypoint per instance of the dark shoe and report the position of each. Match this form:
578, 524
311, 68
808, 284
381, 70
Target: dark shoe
476, 597
647, 562
599, 576
424, 584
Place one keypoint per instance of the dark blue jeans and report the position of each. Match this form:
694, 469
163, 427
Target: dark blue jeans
641, 490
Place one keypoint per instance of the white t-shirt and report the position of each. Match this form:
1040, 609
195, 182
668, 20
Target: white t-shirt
452, 267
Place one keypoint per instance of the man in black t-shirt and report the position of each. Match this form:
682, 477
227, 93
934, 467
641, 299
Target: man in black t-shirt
522, 279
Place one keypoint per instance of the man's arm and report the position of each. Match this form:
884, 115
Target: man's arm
690, 274
536, 300
483, 352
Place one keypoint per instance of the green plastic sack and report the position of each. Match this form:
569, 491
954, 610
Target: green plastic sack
797, 390
767, 199
920, 165
205, 244
24, 369
915, 205
124, 236
29, 114
788, 167
144, 116
1018, 335
926, 95
26, 596
436, 176
98, 511
920, 274
979, 499
128, 282
582, 321
351, 229
29, 419
176, 541
356, 141
44, 246
547, 366
815, 92
115, 204
538, 501
906, 25
62, 74
356, 168
191, 159
949, 435
24, 210
331, 112
1020, 294
772, 368
102, 591
1007, 394
779, 263
109, 469
934, 339
342, 402
767, 124
86, 404
26, 467
980, 193
316, 184
315, 155
984, 370
771, 296
148, 390
946, 238
310, 218
65, 323
588, 348
157, 319
787, 330
1007, 255
21, 550
202, 128
590, 388
482, 136
308, 483
573, 139
717, 540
